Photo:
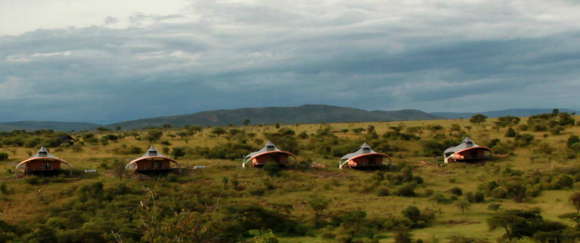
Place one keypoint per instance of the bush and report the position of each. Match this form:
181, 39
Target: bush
407, 190
272, 169
3, 156
510, 133
565, 181
178, 152
456, 191
477, 197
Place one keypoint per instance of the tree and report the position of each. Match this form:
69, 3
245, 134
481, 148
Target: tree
526, 223
463, 205
478, 118
247, 122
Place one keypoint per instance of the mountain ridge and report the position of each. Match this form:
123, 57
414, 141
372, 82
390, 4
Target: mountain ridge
498, 113
309, 113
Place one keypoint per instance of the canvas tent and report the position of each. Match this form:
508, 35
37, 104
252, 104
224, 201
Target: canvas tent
42, 163
364, 157
270, 153
467, 151
152, 162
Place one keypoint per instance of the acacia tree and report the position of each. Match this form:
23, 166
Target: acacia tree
478, 119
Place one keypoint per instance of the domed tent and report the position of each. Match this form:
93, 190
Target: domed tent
364, 157
270, 153
152, 162
467, 151
42, 163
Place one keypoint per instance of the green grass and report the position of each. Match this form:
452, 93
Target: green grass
30, 202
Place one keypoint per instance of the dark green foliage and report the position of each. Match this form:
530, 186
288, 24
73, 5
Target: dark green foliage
407, 190
477, 197
4, 156
507, 121
417, 218
403, 236
510, 133
272, 169
456, 191
544, 122
154, 135
494, 206
218, 131
524, 139
565, 181
573, 143
178, 152
478, 118
436, 147
526, 223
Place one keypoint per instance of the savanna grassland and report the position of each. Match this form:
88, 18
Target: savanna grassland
525, 194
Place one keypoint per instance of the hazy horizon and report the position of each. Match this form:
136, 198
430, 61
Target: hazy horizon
110, 61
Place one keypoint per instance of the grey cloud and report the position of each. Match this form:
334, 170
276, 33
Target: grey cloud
238, 55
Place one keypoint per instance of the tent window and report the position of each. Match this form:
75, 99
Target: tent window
43, 153
270, 147
366, 150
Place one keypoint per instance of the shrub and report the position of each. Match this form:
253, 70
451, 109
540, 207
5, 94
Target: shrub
494, 206
523, 140
3, 156
407, 190
510, 133
178, 152
456, 191
476, 197
565, 181
272, 169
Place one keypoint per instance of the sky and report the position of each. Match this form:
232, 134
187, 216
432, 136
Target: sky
106, 61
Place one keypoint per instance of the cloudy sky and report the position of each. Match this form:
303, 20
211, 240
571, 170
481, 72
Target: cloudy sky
109, 60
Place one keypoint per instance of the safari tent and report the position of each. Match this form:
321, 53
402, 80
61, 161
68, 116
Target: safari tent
42, 163
270, 153
152, 162
467, 151
364, 157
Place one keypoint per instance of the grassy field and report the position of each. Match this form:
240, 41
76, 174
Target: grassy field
346, 190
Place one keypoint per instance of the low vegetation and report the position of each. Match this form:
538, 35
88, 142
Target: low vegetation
529, 191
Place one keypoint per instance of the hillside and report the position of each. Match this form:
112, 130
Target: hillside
53, 125
214, 199
498, 113
284, 115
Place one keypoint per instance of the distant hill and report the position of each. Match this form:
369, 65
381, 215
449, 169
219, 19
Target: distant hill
38, 125
499, 113
284, 115
269, 115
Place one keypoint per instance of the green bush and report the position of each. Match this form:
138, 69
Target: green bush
3, 156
